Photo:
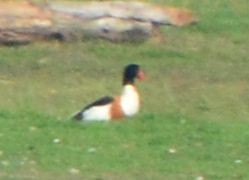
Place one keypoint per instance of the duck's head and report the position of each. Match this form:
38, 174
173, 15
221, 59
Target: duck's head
131, 72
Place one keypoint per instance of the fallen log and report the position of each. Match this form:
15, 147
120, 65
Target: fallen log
138, 11
118, 21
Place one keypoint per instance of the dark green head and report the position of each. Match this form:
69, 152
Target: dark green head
131, 72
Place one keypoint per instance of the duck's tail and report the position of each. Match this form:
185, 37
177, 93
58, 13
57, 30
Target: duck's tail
78, 116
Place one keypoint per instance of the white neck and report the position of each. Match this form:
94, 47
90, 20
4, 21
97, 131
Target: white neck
130, 100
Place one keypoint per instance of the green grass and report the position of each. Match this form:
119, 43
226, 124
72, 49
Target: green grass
195, 101
135, 149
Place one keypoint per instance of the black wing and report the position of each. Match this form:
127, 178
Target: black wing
100, 102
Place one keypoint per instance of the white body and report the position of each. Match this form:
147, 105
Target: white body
97, 113
129, 102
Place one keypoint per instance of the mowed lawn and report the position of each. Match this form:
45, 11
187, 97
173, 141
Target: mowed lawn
194, 120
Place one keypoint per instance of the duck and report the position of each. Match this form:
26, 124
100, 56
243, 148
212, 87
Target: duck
109, 108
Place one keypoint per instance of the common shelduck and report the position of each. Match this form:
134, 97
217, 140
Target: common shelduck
112, 108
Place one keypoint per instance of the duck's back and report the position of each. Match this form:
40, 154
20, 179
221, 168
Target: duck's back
98, 110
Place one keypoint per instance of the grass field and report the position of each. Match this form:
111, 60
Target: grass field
194, 119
